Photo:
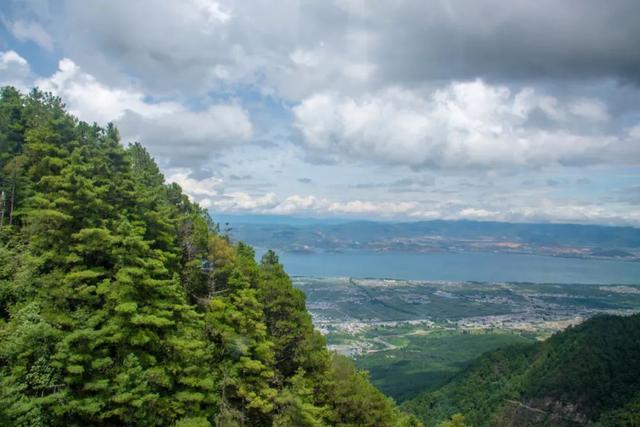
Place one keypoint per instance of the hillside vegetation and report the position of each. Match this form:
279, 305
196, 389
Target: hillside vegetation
122, 303
585, 375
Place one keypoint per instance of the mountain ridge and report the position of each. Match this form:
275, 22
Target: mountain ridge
585, 375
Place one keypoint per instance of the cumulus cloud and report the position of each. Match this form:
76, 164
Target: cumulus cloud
296, 204
14, 70
186, 138
180, 136
197, 189
463, 125
94, 101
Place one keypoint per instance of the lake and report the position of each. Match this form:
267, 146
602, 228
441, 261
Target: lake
466, 266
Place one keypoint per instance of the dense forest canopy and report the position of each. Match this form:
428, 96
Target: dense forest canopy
122, 303
586, 375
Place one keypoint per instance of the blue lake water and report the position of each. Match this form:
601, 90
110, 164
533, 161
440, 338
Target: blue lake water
480, 266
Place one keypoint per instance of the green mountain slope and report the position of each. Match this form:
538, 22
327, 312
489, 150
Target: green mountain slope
122, 303
584, 375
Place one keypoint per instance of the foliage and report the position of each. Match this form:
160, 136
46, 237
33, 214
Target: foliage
457, 420
577, 376
627, 416
425, 361
358, 402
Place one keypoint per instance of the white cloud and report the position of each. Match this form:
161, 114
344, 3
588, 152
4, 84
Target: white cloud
269, 203
30, 31
305, 58
14, 70
198, 190
187, 138
178, 135
474, 213
544, 210
94, 101
296, 203
368, 207
463, 125
241, 201
359, 71
592, 110
213, 10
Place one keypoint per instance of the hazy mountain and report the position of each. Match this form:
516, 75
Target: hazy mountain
430, 236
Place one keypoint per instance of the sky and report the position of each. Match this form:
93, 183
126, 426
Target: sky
397, 110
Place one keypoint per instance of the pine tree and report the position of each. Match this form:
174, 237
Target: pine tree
243, 352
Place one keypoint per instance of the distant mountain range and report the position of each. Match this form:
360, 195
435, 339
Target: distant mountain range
309, 236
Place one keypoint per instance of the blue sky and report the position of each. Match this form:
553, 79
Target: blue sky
517, 111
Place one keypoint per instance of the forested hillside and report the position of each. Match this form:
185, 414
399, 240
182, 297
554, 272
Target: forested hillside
122, 303
585, 375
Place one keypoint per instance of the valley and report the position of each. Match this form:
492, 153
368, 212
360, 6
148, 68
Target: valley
413, 335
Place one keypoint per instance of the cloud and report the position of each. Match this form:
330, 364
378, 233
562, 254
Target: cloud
187, 138
311, 204
499, 101
543, 210
14, 70
463, 125
197, 189
196, 46
298, 48
360, 207
296, 204
30, 31
402, 185
179, 136
176, 47
241, 201
521, 40
474, 213
304, 58
270, 203
589, 109
556, 211
94, 101
630, 195
234, 177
